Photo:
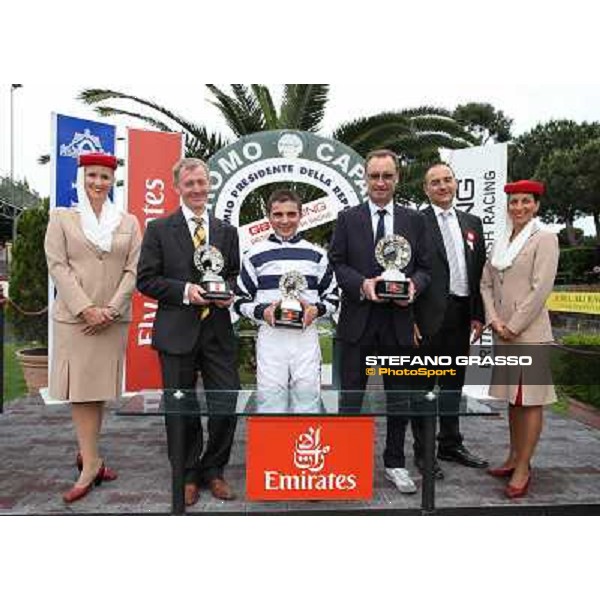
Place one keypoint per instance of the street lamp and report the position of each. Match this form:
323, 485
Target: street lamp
13, 87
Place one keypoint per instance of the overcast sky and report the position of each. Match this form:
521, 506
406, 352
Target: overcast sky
33, 105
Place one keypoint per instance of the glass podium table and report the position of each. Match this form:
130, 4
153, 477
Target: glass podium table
177, 406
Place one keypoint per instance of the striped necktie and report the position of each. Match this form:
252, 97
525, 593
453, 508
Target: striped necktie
199, 239
199, 233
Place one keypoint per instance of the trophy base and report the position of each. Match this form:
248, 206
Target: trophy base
393, 290
215, 290
289, 317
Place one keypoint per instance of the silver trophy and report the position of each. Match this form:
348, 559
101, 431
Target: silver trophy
289, 312
209, 261
393, 253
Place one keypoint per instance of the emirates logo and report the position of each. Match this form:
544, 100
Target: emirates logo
298, 458
309, 453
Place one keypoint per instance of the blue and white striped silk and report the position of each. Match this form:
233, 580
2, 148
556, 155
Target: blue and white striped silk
264, 264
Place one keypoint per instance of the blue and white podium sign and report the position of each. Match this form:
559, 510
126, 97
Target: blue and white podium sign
70, 138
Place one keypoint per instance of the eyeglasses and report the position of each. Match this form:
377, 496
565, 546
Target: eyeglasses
384, 176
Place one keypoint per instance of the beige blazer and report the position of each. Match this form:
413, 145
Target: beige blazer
517, 297
83, 274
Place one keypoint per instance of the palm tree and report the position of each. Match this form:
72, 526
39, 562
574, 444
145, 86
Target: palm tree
414, 134
249, 109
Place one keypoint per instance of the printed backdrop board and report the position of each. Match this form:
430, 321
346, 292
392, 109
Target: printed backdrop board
150, 194
310, 458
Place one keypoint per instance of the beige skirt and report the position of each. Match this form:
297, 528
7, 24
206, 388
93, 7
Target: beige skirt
87, 368
527, 386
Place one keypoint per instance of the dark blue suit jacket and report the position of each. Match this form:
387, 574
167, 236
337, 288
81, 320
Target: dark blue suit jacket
166, 264
352, 255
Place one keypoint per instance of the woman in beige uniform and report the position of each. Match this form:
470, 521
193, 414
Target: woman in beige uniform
517, 280
92, 252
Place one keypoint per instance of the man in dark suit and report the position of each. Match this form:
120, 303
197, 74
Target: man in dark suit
366, 321
450, 312
192, 333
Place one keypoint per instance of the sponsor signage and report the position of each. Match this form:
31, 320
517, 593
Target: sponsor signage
314, 213
481, 174
70, 138
150, 195
285, 157
575, 302
310, 458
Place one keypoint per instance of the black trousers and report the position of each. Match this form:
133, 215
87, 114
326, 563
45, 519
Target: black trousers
215, 356
452, 339
379, 338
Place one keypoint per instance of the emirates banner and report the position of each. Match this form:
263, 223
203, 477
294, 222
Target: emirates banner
150, 195
309, 458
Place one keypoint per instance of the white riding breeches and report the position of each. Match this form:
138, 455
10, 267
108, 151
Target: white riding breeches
288, 371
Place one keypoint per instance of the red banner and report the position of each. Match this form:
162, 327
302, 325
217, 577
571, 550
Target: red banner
310, 458
150, 159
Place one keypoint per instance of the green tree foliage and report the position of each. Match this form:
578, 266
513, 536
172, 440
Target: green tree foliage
564, 155
528, 150
14, 196
562, 203
415, 134
588, 159
28, 286
484, 122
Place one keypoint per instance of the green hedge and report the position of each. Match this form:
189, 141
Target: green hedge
563, 238
578, 374
29, 276
574, 263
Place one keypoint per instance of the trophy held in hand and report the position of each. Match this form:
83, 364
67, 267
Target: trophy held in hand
209, 261
393, 253
290, 313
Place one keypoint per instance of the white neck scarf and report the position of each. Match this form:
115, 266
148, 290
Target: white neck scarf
505, 251
98, 231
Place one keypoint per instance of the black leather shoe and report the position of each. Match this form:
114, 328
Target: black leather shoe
437, 470
462, 456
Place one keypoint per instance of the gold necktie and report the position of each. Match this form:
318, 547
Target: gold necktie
199, 239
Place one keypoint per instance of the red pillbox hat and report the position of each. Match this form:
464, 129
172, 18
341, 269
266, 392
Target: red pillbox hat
525, 186
98, 158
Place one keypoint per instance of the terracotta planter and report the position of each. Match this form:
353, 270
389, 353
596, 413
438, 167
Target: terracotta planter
34, 362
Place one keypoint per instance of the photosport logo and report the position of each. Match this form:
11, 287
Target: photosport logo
306, 458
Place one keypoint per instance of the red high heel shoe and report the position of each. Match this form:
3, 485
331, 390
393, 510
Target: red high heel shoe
109, 474
77, 492
512, 491
501, 471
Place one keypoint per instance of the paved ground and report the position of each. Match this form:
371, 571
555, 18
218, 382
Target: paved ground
37, 452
